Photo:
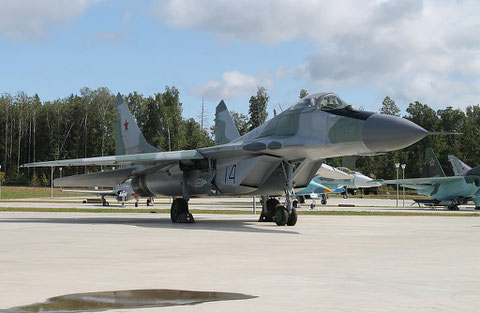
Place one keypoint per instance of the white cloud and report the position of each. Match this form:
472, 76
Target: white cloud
420, 49
30, 20
232, 85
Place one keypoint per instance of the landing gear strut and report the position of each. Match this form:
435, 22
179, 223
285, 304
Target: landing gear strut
324, 199
179, 211
105, 202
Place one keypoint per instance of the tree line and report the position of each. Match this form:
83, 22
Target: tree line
82, 125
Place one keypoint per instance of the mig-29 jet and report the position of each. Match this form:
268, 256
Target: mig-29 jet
276, 158
448, 191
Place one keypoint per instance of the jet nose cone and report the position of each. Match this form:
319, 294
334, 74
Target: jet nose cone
382, 133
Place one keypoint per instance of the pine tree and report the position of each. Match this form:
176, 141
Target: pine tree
258, 108
389, 107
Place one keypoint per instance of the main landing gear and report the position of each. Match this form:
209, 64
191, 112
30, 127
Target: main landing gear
179, 212
105, 202
273, 211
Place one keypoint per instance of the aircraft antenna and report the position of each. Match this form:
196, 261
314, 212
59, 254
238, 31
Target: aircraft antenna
281, 109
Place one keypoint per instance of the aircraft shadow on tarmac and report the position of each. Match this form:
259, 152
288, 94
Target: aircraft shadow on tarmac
126, 299
237, 225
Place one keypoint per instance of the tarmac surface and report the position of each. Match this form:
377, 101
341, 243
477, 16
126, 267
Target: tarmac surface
323, 264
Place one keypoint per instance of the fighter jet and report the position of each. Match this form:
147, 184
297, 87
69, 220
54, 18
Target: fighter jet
276, 158
335, 181
445, 191
121, 193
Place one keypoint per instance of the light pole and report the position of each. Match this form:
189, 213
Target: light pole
397, 165
51, 182
60, 168
403, 177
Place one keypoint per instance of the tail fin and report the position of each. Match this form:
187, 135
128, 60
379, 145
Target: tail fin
225, 129
432, 167
459, 168
128, 137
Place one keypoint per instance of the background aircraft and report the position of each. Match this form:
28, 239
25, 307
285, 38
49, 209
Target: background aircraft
121, 193
336, 181
442, 190
282, 154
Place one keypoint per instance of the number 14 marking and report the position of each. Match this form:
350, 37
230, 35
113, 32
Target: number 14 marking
230, 175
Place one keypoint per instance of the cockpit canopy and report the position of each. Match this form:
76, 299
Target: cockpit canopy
322, 101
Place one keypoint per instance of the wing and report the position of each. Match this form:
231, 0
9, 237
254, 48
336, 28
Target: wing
423, 181
157, 158
93, 192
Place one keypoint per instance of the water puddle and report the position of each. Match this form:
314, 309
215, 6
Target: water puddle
125, 299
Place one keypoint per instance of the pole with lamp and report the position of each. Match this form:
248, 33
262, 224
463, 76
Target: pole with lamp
60, 168
397, 165
403, 186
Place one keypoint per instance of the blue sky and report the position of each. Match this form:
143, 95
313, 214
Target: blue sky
362, 50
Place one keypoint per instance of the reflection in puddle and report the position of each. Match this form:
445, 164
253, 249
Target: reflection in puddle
125, 299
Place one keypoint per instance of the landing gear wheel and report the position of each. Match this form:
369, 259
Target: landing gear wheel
292, 218
453, 208
264, 218
136, 204
271, 206
324, 201
281, 215
148, 202
295, 203
104, 202
345, 196
179, 207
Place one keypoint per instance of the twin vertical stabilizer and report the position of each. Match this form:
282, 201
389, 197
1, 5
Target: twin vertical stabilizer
225, 129
128, 137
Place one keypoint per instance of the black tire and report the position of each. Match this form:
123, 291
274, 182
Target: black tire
295, 203
264, 218
345, 196
324, 201
453, 208
179, 207
292, 218
272, 205
136, 204
281, 215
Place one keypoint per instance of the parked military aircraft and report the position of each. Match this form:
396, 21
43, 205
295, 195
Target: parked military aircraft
121, 193
336, 181
448, 191
277, 157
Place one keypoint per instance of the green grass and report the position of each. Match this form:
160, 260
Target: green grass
167, 211
11, 192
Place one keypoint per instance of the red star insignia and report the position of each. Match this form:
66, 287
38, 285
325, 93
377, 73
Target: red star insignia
126, 125
432, 162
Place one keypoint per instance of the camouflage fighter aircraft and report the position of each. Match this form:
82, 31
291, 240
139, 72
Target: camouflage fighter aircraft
273, 159
448, 191
121, 193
